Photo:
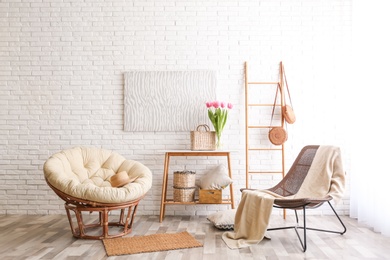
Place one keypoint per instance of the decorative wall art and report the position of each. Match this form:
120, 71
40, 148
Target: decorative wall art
167, 100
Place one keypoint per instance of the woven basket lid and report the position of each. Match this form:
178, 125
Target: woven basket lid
277, 135
184, 172
120, 179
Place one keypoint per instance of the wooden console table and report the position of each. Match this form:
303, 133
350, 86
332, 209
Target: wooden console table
168, 155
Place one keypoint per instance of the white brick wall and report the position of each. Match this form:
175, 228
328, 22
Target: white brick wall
61, 80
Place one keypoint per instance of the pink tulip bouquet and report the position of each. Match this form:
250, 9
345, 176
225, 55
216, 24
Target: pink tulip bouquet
218, 113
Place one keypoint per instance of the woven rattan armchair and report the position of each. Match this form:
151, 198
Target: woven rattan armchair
82, 177
291, 184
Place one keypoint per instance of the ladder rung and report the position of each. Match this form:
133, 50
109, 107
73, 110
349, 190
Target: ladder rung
261, 126
263, 83
260, 105
260, 172
265, 149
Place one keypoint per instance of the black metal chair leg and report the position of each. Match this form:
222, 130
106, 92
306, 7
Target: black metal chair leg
303, 241
296, 217
332, 231
338, 217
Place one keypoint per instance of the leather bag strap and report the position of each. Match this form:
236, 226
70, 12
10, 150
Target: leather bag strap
288, 91
273, 108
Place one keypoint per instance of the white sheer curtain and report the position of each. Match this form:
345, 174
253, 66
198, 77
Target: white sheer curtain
370, 159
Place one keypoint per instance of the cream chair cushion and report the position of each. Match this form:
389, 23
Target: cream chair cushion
85, 172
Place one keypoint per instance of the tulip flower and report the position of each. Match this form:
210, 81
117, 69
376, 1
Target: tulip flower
218, 113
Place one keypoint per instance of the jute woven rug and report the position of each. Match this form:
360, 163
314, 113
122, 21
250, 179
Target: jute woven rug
150, 243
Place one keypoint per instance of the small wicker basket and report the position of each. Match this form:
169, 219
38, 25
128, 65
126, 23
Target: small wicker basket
184, 179
202, 138
184, 194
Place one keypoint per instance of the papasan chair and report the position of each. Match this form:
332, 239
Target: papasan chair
94, 180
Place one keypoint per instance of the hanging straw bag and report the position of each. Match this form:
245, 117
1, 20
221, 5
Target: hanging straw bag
277, 134
287, 110
288, 114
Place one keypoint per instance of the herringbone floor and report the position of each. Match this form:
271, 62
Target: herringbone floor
49, 237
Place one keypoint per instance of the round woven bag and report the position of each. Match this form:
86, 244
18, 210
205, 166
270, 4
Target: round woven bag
277, 135
289, 114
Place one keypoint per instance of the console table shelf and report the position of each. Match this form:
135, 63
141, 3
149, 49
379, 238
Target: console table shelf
171, 202
168, 155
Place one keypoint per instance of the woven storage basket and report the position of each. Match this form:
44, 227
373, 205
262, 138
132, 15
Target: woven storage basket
202, 138
184, 194
184, 179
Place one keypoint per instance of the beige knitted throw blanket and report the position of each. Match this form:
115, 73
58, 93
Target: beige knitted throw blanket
325, 177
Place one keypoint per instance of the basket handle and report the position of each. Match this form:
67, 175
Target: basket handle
205, 127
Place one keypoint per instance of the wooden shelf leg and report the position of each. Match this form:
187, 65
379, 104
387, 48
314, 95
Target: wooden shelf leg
164, 187
231, 177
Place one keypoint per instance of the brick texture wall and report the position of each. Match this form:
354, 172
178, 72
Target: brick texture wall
61, 81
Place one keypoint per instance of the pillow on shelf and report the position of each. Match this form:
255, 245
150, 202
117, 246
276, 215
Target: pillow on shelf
215, 179
223, 219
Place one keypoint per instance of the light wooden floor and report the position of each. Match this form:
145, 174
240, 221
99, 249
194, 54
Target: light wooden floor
49, 237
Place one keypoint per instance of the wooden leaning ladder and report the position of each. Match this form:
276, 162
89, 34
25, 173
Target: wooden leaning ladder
270, 148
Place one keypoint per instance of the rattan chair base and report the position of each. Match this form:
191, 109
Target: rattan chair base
75, 208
